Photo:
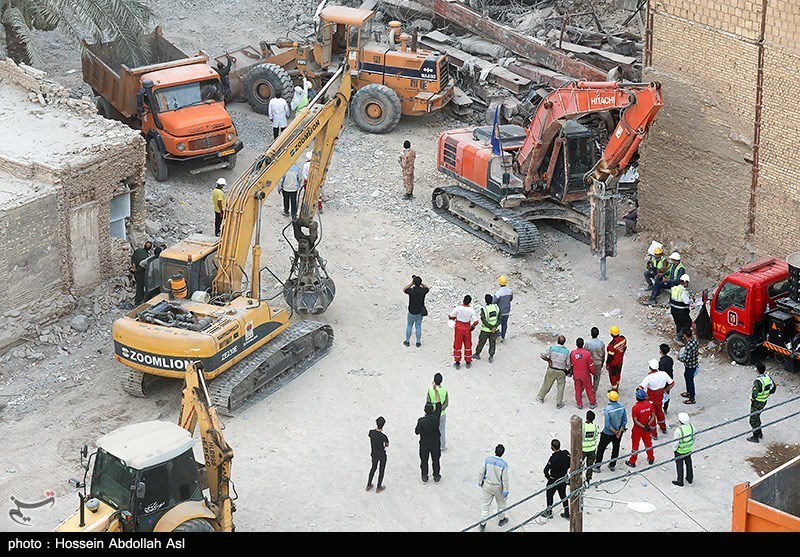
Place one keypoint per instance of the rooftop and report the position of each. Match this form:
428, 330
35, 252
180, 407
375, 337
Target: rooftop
16, 191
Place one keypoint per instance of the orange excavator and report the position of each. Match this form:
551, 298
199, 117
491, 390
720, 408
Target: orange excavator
543, 172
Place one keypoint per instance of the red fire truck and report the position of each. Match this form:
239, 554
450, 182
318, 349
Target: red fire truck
759, 307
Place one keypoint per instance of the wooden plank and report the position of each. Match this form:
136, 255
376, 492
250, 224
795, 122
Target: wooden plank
519, 44
499, 75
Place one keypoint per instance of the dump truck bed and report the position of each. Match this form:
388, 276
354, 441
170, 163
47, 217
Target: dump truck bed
108, 74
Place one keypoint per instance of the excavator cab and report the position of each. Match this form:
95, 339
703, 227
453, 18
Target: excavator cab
575, 155
194, 258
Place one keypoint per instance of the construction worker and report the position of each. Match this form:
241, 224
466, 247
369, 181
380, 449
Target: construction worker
763, 387
670, 279
615, 423
465, 322
218, 198
490, 321
655, 384
503, 298
407, 165
138, 262
556, 473
299, 100
583, 371
597, 348
590, 433
289, 186
279, 112
656, 266
615, 354
223, 70
429, 442
684, 438
445, 398
679, 300
644, 422
494, 483
557, 358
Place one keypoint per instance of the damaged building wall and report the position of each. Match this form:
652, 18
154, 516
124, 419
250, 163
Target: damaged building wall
60, 184
696, 192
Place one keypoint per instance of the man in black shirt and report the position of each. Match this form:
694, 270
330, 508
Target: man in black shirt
429, 438
416, 291
379, 442
224, 70
556, 470
138, 257
665, 364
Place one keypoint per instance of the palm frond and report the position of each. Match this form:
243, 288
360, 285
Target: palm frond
15, 18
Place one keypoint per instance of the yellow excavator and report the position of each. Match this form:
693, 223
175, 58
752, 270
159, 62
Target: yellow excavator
210, 310
145, 477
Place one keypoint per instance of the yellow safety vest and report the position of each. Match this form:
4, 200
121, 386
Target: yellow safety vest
589, 438
766, 388
676, 297
686, 439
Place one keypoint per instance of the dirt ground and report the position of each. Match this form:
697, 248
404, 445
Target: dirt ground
302, 453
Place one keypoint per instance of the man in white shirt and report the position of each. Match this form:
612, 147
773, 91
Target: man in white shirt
656, 383
279, 113
465, 320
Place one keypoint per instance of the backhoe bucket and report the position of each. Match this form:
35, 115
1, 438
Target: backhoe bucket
308, 289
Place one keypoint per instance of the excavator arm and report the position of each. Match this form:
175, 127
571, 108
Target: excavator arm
639, 103
197, 410
319, 123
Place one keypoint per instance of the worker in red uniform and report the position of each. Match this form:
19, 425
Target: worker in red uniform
644, 422
615, 353
656, 383
465, 322
583, 371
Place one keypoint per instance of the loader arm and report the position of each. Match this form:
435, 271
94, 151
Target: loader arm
197, 410
320, 123
641, 100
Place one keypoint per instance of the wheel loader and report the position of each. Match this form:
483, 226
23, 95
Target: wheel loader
145, 477
390, 75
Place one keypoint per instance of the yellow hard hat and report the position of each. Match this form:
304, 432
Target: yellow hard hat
613, 396
658, 251
502, 280
614, 330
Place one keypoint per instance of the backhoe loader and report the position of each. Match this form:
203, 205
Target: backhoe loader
145, 477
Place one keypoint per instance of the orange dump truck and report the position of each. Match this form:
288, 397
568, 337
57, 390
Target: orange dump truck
771, 503
175, 100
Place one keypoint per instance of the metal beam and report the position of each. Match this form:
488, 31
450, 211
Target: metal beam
519, 44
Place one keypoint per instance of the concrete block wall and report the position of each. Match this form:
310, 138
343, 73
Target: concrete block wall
705, 52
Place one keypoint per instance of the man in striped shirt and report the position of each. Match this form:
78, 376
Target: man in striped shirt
690, 356
494, 483
557, 358
465, 322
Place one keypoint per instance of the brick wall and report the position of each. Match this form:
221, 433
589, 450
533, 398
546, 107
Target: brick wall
705, 53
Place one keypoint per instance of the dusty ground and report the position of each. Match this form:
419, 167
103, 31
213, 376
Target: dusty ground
302, 454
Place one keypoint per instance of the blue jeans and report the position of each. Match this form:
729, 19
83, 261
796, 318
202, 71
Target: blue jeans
415, 320
661, 285
503, 325
688, 376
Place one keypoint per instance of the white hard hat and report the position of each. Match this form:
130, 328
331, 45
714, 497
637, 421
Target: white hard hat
684, 277
309, 155
675, 255
653, 364
683, 417
222, 182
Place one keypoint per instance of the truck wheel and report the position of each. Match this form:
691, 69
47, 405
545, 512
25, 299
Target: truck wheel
194, 525
739, 349
156, 162
231, 160
264, 82
376, 109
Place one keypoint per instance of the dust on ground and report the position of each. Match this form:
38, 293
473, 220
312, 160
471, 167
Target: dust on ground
777, 454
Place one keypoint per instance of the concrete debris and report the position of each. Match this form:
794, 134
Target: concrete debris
80, 323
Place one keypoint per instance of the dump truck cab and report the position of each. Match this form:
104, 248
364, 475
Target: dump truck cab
754, 308
145, 479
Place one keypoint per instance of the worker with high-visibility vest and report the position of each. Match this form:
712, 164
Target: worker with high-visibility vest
763, 387
683, 445
490, 322
590, 433
679, 300
445, 399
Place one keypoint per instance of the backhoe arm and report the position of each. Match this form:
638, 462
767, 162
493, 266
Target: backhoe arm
576, 100
197, 410
318, 123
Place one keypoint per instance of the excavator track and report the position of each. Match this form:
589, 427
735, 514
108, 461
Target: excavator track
513, 234
276, 363
136, 383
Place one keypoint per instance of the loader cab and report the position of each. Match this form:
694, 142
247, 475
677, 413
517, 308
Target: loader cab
194, 258
144, 470
572, 156
341, 35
